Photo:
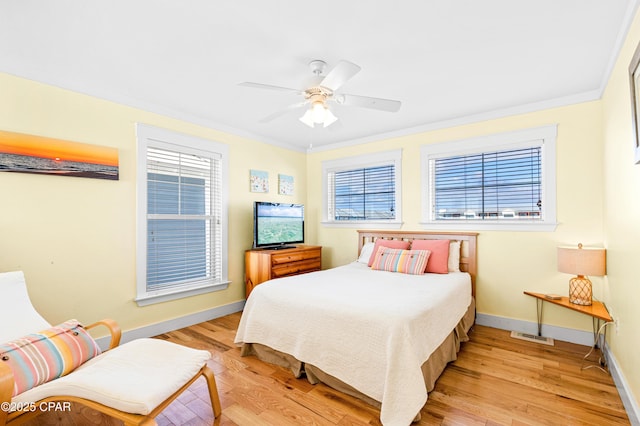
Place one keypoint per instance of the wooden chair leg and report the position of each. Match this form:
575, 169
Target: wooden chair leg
213, 391
6, 390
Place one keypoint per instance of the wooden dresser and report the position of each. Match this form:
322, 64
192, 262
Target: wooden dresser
263, 265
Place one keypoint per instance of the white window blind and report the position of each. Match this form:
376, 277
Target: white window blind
363, 190
182, 210
499, 185
183, 236
503, 181
363, 194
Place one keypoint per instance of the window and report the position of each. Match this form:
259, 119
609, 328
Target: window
502, 182
182, 224
363, 190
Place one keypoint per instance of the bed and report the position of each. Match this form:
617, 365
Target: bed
382, 336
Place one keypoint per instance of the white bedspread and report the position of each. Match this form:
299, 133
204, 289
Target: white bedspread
371, 329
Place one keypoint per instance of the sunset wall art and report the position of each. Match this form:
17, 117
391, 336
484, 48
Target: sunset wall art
36, 154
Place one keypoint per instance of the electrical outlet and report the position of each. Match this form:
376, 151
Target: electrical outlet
616, 322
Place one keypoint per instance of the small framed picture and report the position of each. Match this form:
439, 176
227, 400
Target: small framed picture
634, 85
285, 185
259, 181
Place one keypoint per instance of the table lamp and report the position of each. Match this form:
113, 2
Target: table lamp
581, 262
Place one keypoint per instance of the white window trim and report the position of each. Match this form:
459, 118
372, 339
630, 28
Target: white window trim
502, 141
359, 161
162, 138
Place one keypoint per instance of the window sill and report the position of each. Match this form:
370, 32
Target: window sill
363, 224
174, 294
476, 225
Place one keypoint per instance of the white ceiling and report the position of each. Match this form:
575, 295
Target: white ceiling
448, 62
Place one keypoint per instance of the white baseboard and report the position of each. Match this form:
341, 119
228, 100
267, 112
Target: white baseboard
559, 333
629, 402
574, 336
175, 324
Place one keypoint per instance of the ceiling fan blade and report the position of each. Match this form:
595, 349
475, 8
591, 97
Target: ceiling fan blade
282, 112
339, 75
270, 87
368, 102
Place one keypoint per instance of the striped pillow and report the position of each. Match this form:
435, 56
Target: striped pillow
398, 260
40, 357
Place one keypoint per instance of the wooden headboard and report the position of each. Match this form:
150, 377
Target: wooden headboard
468, 254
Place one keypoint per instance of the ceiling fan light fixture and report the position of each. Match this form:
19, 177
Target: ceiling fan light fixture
318, 114
324, 91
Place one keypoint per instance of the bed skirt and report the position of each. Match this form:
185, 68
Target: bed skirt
431, 369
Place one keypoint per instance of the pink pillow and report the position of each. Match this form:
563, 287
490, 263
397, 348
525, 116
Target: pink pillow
439, 259
396, 244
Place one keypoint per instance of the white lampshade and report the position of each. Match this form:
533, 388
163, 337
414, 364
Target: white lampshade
329, 118
582, 260
306, 119
318, 112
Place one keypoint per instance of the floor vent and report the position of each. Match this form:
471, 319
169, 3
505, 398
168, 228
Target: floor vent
532, 338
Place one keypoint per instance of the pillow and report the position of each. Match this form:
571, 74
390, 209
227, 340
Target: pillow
41, 357
396, 244
439, 258
365, 253
454, 256
398, 260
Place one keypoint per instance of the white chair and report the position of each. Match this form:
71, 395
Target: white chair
133, 382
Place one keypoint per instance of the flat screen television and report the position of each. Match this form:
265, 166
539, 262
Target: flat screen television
277, 225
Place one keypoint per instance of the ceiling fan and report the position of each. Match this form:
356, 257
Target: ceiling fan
320, 95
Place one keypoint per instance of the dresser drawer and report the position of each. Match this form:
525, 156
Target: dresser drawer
263, 265
295, 256
293, 268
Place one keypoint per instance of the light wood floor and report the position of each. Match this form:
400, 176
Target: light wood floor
496, 380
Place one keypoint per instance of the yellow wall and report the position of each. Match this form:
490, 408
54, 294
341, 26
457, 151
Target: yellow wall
621, 214
75, 237
509, 262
